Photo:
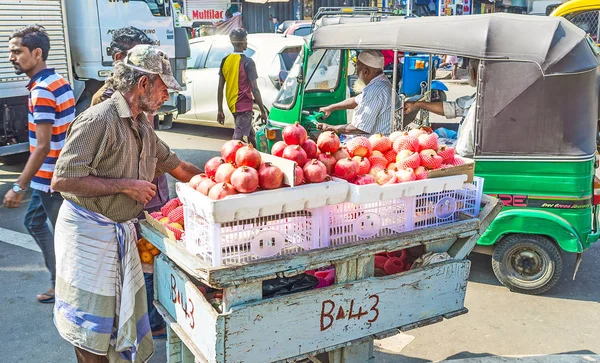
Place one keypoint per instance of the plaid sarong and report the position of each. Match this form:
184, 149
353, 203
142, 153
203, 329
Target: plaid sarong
100, 294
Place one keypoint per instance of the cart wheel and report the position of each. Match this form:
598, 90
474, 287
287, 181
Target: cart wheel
527, 263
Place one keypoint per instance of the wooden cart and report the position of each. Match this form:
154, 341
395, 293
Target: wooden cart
341, 320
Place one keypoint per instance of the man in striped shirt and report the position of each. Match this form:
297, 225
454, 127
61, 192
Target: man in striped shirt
51, 110
373, 107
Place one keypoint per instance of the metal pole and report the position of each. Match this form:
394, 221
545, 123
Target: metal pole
394, 92
428, 93
408, 7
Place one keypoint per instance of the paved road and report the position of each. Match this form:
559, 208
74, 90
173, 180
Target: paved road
499, 323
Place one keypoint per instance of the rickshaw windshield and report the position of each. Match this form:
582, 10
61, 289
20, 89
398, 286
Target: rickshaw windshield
286, 98
323, 70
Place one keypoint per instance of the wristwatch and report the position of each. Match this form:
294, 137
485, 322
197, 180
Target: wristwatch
17, 189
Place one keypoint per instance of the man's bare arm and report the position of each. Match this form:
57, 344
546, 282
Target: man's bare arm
185, 171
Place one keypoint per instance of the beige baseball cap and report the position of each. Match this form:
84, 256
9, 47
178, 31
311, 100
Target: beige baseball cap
149, 59
371, 58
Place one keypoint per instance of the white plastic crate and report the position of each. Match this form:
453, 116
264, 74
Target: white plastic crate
434, 209
242, 241
351, 222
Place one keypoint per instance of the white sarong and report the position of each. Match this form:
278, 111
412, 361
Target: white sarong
100, 293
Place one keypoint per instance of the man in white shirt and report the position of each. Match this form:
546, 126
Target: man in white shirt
373, 107
463, 107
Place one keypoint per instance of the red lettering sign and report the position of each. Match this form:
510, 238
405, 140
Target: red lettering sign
328, 307
207, 14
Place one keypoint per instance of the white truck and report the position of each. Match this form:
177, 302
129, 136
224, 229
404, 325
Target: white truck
80, 34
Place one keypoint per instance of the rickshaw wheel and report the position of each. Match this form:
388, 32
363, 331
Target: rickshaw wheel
527, 263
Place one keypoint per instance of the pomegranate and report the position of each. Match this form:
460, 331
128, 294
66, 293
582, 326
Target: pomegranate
457, 161
346, 169
380, 143
196, 180
277, 148
328, 160
408, 159
211, 166
392, 166
376, 170
248, 156
229, 150
421, 173
245, 179
416, 132
446, 153
365, 179
384, 176
270, 176
310, 147
390, 155
396, 134
298, 176
406, 142
430, 159
359, 146
294, 134
364, 165
377, 153
341, 153
205, 186
295, 153
406, 175
328, 142
224, 172
314, 171
221, 190
378, 162
428, 141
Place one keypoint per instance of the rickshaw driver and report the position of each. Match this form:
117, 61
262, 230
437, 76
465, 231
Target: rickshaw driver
373, 107
463, 107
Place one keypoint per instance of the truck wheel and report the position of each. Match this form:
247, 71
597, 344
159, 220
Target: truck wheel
527, 263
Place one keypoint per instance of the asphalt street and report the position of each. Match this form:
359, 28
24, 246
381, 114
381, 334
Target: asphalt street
499, 325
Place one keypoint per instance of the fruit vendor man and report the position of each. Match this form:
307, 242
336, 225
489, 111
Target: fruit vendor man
463, 107
104, 173
373, 107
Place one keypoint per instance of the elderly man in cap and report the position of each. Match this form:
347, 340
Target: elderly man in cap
104, 173
373, 107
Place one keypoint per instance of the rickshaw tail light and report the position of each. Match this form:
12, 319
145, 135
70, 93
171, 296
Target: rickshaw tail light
271, 134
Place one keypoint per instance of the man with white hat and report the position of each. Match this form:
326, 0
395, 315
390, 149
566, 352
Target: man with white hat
373, 107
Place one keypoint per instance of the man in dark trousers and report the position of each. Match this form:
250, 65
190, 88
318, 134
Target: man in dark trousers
239, 73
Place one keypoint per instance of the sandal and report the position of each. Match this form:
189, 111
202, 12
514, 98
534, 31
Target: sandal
45, 297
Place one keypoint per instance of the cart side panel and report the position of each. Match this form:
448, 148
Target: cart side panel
185, 303
292, 325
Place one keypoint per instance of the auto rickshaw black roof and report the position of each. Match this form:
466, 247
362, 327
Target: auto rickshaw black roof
537, 91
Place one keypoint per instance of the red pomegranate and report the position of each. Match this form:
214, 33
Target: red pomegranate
298, 176
270, 176
328, 142
365, 179
295, 153
314, 171
294, 134
277, 148
384, 176
405, 175
196, 180
364, 165
245, 179
346, 169
310, 147
211, 166
248, 156
221, 190
340, 154
229, 150
205, 186
421, 173
224, 172
328, 160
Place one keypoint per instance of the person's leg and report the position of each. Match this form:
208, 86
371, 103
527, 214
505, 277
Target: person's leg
243, 127
83, 356
36, 224
157, 323
455, 71
52, 203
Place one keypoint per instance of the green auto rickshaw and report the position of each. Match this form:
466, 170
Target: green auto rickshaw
535, 129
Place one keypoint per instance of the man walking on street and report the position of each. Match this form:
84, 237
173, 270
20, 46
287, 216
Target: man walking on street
123, 40
104, 172
239, 73
51, 110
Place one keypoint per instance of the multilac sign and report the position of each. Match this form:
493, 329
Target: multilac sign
206, 10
